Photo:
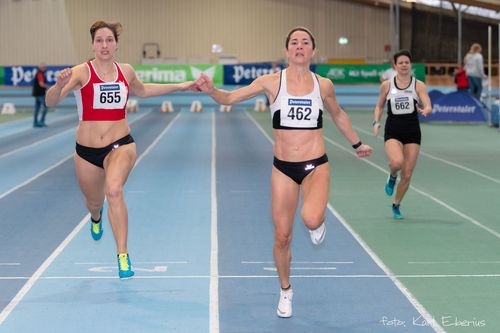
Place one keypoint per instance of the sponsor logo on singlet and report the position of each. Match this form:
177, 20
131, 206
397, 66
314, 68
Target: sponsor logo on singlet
299, 102
109, 87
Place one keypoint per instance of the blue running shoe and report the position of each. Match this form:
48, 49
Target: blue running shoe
124, 267
396, 213
96, 228
389, 185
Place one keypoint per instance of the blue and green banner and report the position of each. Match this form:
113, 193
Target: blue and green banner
20, 76
220, 74
362, 74
177, 73
243, 74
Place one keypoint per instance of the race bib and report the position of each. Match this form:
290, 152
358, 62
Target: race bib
402, 105
110, 95
299, 113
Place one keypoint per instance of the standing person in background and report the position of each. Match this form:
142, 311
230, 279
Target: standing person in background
461, 81
388, 74
475, 70
402, 136
105, 150
298, 98
39, 88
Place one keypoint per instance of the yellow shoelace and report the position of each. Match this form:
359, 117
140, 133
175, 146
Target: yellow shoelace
95, 227
122, 260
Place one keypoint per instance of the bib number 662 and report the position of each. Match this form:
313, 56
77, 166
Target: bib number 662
402, 105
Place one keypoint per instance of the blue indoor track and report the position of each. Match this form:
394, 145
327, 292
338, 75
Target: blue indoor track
200, 238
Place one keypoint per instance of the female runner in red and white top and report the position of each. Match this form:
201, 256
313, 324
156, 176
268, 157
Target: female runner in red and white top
105, 150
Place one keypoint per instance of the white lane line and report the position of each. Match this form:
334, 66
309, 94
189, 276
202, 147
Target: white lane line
14, 131
43, 172
52, 137
419, 307
108, 269
423, 193
10, 263
135, 262
158, 138
273, 269
38, 273
295, 276
416, 304
260, 128
456, 165
36, 143
214, 249
452, 262
300, 262
459, 166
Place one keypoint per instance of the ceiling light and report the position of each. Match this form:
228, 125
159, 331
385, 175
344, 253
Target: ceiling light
343, 40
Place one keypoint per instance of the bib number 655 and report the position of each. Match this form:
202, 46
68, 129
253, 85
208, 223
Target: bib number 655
110, 97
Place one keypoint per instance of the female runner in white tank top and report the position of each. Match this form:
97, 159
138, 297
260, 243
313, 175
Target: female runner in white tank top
297, 98
403, 94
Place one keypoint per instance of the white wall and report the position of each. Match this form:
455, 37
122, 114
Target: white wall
34, 31
57, 31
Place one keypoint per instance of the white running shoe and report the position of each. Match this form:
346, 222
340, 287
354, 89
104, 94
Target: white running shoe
284, 309
318, 235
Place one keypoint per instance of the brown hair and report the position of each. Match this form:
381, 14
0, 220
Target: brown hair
115, 27
300, 29
400, 53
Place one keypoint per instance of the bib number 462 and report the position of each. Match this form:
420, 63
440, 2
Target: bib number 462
299, 113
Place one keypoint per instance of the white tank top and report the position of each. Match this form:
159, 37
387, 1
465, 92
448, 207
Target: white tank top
402, 101
297, 112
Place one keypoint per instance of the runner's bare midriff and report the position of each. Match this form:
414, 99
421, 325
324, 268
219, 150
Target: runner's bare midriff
298, 145
97, 134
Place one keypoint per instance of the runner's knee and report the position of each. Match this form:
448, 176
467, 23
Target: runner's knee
114, 191
312, 218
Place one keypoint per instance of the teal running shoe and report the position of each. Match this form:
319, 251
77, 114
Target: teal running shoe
124, 267
396, 212
389, 185
96, 228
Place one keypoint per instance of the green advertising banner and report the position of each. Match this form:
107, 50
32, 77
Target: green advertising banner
361, 74
2, 76
177, 73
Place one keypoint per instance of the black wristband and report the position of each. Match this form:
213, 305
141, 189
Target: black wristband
357, 145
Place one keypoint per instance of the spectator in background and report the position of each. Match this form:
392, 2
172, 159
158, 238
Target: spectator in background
475, 70
39, 88
388, 74
461, 80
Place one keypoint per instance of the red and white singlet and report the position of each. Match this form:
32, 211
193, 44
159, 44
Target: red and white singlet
101, 100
